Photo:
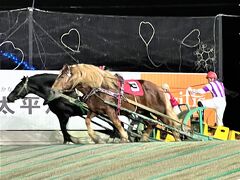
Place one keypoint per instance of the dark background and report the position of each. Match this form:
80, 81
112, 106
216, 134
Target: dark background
231, 36
132, 7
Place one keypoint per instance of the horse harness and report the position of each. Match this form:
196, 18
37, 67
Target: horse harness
118, 95
24, 87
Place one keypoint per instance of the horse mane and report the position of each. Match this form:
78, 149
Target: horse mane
93, 76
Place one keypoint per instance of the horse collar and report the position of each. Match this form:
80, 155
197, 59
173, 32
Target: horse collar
93, 91
25, 86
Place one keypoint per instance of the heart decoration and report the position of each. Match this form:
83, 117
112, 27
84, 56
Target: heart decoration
72, 33
192, 39
144, 24
14, 48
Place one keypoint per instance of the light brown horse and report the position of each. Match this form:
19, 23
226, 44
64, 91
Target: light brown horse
88, 78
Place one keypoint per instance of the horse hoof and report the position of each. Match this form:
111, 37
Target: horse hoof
144, 138
74, 140
98, 140
124, 140
101, 141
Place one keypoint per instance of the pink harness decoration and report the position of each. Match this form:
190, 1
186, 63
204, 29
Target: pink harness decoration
133, 87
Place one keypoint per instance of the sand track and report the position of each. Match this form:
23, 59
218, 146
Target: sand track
155, 160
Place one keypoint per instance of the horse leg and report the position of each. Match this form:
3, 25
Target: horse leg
169, 112
176, 135
146, 134
174, 124
96, 138
117, 123
63, 120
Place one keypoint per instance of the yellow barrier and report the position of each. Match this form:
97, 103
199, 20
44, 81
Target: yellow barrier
158, 135
205, 129
221, 133
168, 138
232, 135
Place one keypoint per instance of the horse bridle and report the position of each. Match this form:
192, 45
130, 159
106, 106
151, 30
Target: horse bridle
24, 87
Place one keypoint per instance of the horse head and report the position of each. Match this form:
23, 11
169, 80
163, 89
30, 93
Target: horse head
63, 81
20, 91
71, 76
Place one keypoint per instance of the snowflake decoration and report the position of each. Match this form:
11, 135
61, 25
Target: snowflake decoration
205, 57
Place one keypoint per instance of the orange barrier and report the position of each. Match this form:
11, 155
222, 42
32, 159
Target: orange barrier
179, 82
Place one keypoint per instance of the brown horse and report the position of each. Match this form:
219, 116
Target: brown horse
89, 79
